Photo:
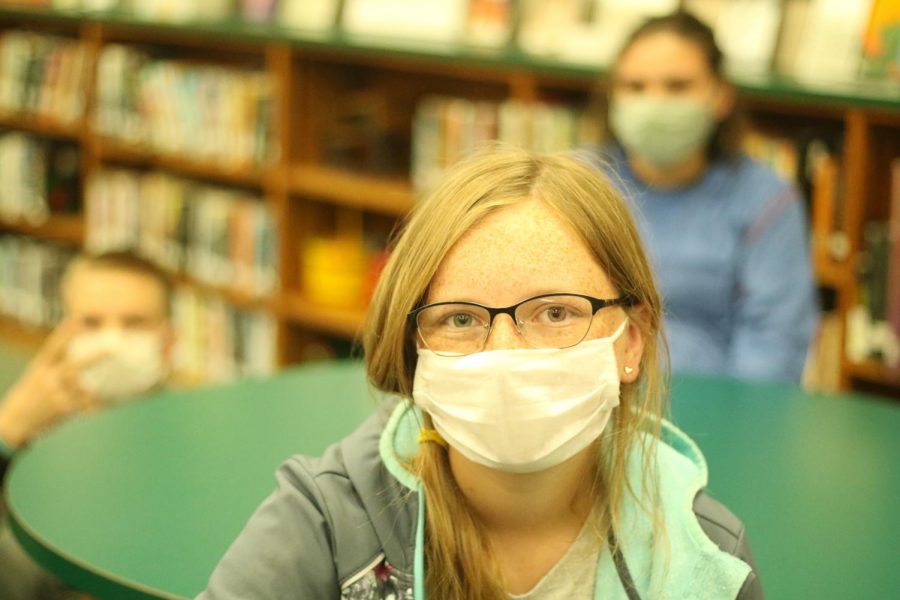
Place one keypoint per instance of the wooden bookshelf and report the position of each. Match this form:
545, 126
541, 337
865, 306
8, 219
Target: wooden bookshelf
315, 72
341, 322
114, 151
875, 372
42, 126
363, 192
23, 338
240, 298
68, 229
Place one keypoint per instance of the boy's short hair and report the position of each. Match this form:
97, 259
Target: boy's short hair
121, 260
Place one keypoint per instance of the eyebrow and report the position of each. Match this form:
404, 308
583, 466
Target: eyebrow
531, 294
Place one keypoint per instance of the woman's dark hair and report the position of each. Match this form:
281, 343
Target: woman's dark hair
725, 142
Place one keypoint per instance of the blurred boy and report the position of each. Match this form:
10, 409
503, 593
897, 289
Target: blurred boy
114, 343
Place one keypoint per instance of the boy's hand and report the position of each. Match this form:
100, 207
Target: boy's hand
47, 392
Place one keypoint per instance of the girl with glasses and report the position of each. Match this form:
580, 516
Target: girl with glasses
518, 329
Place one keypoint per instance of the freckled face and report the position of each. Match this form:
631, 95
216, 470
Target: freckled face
518, 252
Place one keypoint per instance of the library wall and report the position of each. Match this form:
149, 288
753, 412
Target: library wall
263, 155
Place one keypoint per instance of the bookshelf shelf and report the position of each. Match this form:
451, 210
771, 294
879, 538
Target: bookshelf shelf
364, 192
239, 298
41, 125
28, 339
116, 151
342, 322
875, 372
68, 229
831, 274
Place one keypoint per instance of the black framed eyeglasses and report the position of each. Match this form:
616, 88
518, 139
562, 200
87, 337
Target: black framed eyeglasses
545, 321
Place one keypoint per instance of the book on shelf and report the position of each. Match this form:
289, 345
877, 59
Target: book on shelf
217, 341
869, 332
821, 40
822, 371
258, 11
222, 237
489, 23
825, 177
583, 31
38, 177
881, 41
793, 21
433, 21
95, 5
447, 129
175, 11
745, 30
197, 112
42, 75
316, 15
30, 274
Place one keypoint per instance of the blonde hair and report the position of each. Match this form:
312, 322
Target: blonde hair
460, 562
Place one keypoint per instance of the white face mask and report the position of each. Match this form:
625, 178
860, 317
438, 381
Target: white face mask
130, 363
520, 410
663, 131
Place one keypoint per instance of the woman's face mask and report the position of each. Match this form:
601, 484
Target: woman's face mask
665, 99
664, 131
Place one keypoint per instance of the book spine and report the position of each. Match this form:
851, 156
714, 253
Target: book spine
215, 235
193, 111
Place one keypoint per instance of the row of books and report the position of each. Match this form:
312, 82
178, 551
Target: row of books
30, 272
180, 108
812, 39
223, 237
43, 75
873, 325
38, 177
446, 129
303, 14
216, 341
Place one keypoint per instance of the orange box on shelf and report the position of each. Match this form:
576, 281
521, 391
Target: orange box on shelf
334, 271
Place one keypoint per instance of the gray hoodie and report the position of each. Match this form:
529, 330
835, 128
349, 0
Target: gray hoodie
351, 525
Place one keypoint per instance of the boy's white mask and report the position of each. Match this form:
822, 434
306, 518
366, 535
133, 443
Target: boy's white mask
120, 363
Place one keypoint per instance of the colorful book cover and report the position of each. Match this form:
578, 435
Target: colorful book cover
881, 41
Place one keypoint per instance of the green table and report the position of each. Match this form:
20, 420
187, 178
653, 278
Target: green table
142, 500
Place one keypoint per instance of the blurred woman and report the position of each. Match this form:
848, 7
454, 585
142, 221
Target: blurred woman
727, 237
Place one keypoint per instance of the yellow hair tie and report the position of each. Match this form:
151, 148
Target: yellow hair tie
431, 435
